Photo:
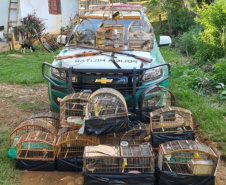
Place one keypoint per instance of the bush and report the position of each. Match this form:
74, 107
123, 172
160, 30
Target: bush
219, 71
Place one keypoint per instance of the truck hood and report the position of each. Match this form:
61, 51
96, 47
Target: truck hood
103, 61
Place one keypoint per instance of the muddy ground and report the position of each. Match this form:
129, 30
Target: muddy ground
12, 114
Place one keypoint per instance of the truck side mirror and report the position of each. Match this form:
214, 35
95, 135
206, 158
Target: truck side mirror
164, 41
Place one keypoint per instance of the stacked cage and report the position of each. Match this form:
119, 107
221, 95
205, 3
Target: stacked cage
140, 35
29, 126
36, 151
154, 98
188, 161
171, 123
73, 109
106, 112
69, 150
127, 163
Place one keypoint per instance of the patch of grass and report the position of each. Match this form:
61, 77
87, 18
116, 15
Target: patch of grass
207, 110
28, 105
8, 173
26, 70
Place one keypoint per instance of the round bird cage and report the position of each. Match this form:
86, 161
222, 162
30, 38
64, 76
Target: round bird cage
137, 135
71, 144
51, 117
188, 157
73, 109
83, 34
31, 126
154, 98
171, 120
36, 145
140, 35
106, 103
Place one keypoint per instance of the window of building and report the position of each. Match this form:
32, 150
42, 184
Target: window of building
55, 6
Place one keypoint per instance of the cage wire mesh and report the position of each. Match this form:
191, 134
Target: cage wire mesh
36, 145
73, 109
188, 157
171, 119
71, 144
140, 35
127, 159
138, 134
49, 116
31, 125
106, 103
155, 98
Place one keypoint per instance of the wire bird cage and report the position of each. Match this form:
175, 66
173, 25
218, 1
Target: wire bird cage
83, 34
171, 120
110, 33
188, 157
140, 35
71, 144
36, 145
138, 134
106, 103
31, 126
51, 117
73, 109
127, 159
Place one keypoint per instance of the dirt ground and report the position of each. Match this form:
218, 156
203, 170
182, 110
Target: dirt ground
11, 115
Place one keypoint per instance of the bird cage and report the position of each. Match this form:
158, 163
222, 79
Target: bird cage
154, 98
51, 117
71, 144
140, 35
83, 34
111, 138
126, 159
31, 126
92, 7
36, 145
110, 35
105, 103
171, 120
188, 157
73, 109
138, 134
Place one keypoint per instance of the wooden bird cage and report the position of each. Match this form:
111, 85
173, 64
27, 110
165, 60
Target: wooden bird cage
140, 35
103, 158
106, 103
188, 157
51, 117
73, 109
111, 138
36, 145
137, 134
171, 120
71, 144
29, 126
111, 36
155, 98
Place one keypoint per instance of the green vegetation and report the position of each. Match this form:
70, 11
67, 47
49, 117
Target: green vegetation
8, 173
25, 70
28, 105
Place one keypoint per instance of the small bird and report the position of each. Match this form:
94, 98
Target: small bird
196, 155
137, 134
124, 163
116, 15
145, 43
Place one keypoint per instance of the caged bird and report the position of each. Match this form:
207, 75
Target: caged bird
137, 134
116, 15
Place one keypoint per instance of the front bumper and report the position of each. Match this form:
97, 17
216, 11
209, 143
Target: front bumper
127, 81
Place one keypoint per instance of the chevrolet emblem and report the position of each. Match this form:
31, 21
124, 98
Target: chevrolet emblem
104, 80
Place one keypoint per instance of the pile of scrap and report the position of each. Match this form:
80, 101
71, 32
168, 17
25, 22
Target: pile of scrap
96, 134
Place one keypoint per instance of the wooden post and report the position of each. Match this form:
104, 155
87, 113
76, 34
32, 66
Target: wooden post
13, 40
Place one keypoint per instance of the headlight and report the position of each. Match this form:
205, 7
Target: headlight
59, 74
153, 74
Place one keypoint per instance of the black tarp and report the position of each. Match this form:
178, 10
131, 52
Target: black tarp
170, 178
107, 125
70, 164
157, 139
32, 165
119, 178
